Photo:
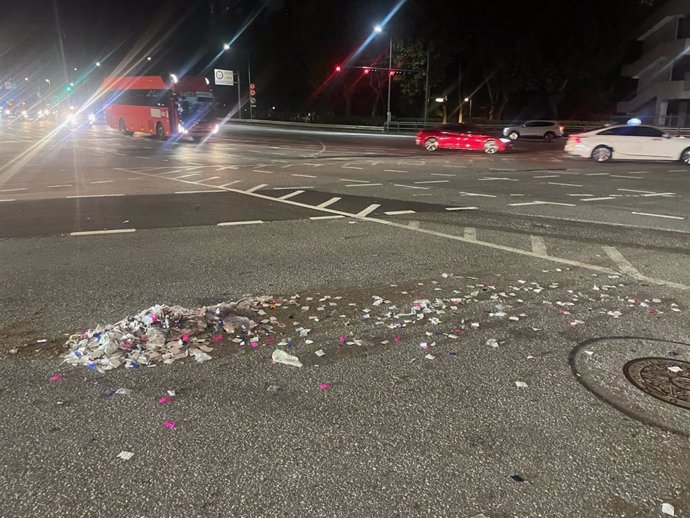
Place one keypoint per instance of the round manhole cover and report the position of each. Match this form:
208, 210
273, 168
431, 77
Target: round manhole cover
663, 378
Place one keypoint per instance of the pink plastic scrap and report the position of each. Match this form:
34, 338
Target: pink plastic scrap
56, 377
325, 386
170, 424
165, 399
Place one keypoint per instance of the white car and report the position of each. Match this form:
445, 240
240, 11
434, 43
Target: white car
548, 130
629, 142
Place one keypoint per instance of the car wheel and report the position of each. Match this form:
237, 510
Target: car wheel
685, 156
490, 147
431, 144
513, 135
602, 154
160, 131
549, 136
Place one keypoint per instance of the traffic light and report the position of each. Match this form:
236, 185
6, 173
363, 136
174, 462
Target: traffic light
366, 70
338, 68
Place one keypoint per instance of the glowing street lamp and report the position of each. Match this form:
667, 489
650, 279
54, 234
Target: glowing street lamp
98, 63
226, 46
379, 30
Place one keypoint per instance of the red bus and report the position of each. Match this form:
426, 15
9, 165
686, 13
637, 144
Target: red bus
160, 106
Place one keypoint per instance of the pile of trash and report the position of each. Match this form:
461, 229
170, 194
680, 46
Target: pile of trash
163, 334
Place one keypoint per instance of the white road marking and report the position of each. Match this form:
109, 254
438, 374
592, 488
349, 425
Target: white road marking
491, 178
678, 170
399, 212
103, 181
257, 187
362, 184
262, 171
625, 176
442, 174
200, 191
234, 223
64, 185
6, 200
516, 194
97, 232
134, 179
599, 199
470, 233
143, 157
335, 216
290, 195
625, 266
635, 190
432, 181
411, 186
352, 167
663, 194
657, 215
230, 183
371, 208
354, 181
224, 167
303, 175
597, 174
639, 172
15, 190
461, 208
94, 195
547, 176
328, 203
580, 194
209, 179
190, 174
393, 171
293, 188
565, 184
538, 245
542, 203
477, 194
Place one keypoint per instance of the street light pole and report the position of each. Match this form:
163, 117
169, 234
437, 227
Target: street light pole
390, 77
426, 88
249, 73
239, 96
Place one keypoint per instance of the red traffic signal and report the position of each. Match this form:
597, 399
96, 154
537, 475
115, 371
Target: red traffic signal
338, 68
366, 70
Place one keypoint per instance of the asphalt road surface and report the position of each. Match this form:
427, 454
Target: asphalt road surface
553, 272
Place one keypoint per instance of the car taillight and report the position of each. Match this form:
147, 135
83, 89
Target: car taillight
575, 139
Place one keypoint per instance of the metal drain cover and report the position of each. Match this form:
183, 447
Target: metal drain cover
664, 378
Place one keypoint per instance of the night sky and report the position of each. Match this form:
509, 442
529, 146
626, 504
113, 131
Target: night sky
537, 56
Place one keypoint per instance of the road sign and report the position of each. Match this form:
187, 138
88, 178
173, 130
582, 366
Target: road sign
252, 86
252, 101
223, 77
252, 92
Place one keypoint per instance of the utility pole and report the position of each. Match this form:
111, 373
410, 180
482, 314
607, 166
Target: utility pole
460, 98
390, 69
239, 96
426, 88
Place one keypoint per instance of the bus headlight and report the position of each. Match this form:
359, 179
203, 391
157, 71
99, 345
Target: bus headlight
181, 129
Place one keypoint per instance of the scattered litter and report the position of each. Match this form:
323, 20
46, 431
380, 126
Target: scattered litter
273, 388
280, 356
430, 357
320, 353
517, 478
165, 399
125, 455
200, 356
42, 341
14, 350
121, 392
325, 386
56, 377
668, 509
492, 342
170, 424
675, 369
520, 384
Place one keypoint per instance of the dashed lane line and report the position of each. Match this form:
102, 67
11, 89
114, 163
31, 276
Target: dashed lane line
333, 216
431, 181
411, 186
353, 181
451, 237
537, 202
442, 174
398, 212
625, 176
495, 178
565, 184
98, 232
394, 171
599, 199
291, 195
256, 187
362, 184
667, 216
636, 190
597, 174
58, 186
365, 212
15, 190
262, 171
237, 223
293, 187
102, 181
189, 175
478, 194
450, 209
547, 176
93, 195
303, 175
328, 203
7, 200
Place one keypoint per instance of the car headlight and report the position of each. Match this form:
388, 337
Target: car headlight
216, 128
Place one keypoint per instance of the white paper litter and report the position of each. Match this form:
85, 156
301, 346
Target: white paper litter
492, 342
520, 384
675, 369
430, 357
280, 356
668, 509
320, 353
125, 455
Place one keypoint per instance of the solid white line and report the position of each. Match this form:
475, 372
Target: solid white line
362, 184
431, 181
6, 200
64, 185
199, 192
599, 199
657, 215
565, 184
293, 188
625, 266
470, 233
13, 190
97, 232
234, 223
209, 179
399, 212
547, 176
477, 194
538, 245
491, 178
442, 174
335, 216
597, 174
262, 171
303, 175
257, 187
93, 195
103, 181
542, 203
461, 208
230, 183
635, 190
411, 186
290, 195
365, 212
393, 171
328, 203
624, 176
583, 195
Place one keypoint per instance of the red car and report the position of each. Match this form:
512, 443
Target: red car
461, 136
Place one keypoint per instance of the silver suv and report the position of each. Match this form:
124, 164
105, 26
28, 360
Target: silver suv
548, 130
